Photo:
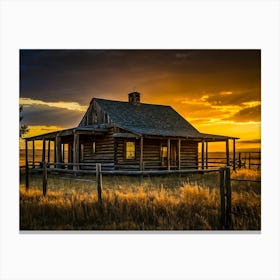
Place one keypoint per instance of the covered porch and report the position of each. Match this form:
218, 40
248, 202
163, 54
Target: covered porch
59, 147
63, 149
206, 162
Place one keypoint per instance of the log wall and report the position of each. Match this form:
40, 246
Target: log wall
120, 161
110, 152
189, 154
104, 150
151, 155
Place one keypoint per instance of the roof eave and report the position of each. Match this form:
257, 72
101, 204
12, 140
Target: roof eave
67, 132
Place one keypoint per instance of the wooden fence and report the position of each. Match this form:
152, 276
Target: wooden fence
249, 160
224, 183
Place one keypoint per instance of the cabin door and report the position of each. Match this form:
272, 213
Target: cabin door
173, 153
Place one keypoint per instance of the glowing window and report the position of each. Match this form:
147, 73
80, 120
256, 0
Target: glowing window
163, 152
130, 150
93, 148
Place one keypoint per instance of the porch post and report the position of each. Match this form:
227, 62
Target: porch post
44, 150
76, 151
168, 154
26, 166
206, 159
202, 154
234, 154
58, 150
54, 150
227, 151
62, 152
179, 154
33, 153
141, 154
49, 150
70, 153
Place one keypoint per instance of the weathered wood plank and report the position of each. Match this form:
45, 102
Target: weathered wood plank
58, 149
227, 152
228, 196
99, 183
222, 197
168, 153
76, 146
44, 150
33, 153
141, 153
202, 154
26, 166
234, 159
206, 155
45, 178
49, 150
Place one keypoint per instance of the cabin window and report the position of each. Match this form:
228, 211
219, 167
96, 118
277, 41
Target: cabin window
130, 150
163, 152
93, 148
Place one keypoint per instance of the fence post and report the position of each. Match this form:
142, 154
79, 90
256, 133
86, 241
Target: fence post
222, 197
26, 166
99, 183
234, 159
228, 197
45, 178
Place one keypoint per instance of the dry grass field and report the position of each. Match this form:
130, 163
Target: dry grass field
131, 203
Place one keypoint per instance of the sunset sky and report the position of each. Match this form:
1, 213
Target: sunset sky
218, 91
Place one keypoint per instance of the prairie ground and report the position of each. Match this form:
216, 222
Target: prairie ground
132, 203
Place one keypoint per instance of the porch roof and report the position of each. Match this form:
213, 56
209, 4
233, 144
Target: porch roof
90, 130
98, 130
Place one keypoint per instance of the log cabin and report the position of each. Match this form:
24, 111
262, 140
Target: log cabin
130, 136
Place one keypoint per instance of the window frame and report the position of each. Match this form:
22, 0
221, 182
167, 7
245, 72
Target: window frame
163, 160
125, 149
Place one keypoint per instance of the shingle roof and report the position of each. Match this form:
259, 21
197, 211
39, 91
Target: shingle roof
142, 119
148, 119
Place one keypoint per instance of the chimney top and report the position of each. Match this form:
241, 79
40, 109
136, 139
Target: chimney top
134, 98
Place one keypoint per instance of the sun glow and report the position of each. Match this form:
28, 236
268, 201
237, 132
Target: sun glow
37, 130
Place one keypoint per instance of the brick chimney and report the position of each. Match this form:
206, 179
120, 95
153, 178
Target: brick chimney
134, 98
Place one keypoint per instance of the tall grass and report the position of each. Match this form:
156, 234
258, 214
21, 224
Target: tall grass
163, 203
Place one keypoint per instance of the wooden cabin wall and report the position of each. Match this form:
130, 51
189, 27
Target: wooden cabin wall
126, 164
104, 150
189, 154
110, 152
151, 154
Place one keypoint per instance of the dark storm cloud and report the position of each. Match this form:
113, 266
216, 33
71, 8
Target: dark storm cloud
78, 75
46, 115
248, 114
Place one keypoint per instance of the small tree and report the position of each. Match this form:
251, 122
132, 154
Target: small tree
23, 128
